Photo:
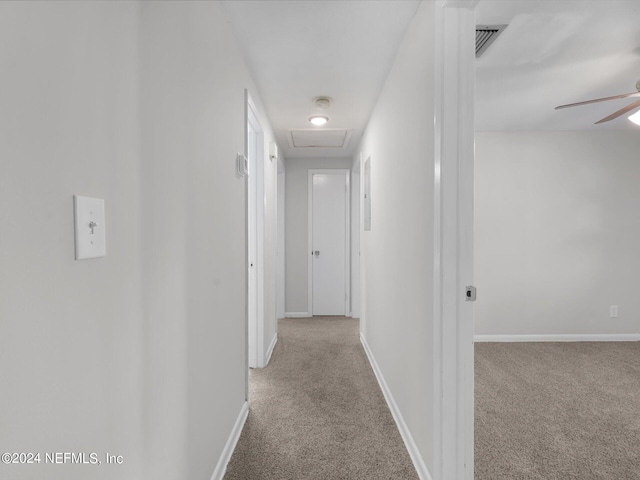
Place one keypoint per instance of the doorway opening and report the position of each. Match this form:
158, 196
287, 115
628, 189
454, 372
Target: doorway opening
255, 231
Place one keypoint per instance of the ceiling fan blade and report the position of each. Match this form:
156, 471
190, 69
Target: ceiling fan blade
622, 111
587, 102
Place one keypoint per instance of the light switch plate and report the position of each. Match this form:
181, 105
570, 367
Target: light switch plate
90, 227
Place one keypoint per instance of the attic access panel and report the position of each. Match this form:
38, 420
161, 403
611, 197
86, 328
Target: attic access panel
336, 138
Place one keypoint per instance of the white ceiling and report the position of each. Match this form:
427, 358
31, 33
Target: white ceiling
553, 52
299, 50
557, 52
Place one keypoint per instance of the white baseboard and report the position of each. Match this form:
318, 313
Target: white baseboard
296, 314
414, 453
221, 467
606, 337
270, 349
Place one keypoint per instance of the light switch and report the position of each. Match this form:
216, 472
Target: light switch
90, 227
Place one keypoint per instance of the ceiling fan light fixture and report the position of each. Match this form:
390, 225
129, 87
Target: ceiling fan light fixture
318, 120
635, 118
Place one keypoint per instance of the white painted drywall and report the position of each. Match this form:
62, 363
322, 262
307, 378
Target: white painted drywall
296, 214
398, 250
192, 89
71, 334
140, 353
339, 43
557, 232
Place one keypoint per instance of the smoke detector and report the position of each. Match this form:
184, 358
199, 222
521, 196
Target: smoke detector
323, 102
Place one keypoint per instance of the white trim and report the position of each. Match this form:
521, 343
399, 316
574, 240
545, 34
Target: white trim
257, 180
309, 243
246, 248
270, 349
347, 242
363, 286
454, 74
356, 236
297, 314
409, 442
232, 441
347, 247
587, 337
281, 200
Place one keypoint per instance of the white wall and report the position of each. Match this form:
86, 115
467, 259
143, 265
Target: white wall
398, 253
193, 80
557, 232
296, 213
71, 334
140, 353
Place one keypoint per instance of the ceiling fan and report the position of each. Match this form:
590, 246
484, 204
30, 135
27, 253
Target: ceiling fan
614, 115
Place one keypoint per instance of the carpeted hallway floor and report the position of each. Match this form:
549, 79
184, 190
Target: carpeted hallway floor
317, 412
557, 411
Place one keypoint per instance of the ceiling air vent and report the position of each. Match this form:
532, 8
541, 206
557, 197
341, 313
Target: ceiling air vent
485, 36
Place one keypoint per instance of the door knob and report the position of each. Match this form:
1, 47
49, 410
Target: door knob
317, 253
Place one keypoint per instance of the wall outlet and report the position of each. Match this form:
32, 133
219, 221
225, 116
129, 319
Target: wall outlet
613, 311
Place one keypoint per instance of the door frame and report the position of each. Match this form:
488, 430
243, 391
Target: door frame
358, 166
280, 240
335, 171
356, 236
255, 217
454, 75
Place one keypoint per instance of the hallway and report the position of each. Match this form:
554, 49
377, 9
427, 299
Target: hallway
180, 120
317, 412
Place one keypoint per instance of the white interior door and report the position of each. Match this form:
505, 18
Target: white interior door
252, 247
329, 243
255, 247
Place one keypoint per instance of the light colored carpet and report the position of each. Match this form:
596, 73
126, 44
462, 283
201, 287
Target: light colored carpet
317, 412
557, 411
